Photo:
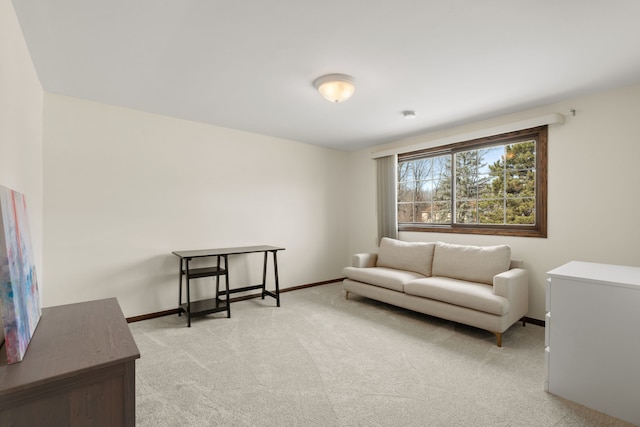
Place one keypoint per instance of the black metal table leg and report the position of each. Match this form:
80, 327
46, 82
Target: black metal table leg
275, 269
226, 282
188, 293
180, 288
218, 283
264, 274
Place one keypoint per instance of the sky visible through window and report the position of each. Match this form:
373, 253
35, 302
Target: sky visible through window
489, 186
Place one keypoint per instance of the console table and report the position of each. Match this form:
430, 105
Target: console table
79, 370
213, 305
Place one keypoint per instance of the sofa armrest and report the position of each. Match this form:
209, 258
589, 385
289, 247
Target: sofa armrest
364, 260
513, 285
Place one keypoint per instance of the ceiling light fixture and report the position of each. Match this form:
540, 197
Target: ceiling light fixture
335, 87
409, 114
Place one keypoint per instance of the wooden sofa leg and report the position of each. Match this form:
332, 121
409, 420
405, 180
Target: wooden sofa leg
498, 339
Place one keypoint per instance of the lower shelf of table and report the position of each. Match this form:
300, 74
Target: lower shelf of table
204, 307
196, 273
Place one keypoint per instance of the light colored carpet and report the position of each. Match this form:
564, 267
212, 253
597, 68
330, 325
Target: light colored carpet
321, 360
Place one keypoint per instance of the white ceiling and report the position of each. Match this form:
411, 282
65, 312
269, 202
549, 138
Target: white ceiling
250, 65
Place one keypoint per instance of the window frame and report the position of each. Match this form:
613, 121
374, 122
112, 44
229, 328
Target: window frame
540, 134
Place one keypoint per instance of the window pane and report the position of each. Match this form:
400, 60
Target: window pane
442, 178
491, 212
467, 159
466, 212
421, 169
422, 212
404, 172
424, 192
488, 176
442, 189
442, 167
405, 212
489, 157
520, 183
419, 183
441, 213
521, 155
490, 186
466, 187
489, 182
521, 211
404, 193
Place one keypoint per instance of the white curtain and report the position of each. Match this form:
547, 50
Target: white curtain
387, 199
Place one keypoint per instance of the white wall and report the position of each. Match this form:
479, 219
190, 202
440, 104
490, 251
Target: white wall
593, 202
21, 125
124, 188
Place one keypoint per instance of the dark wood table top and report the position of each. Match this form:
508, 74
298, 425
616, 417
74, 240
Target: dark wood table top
226, 251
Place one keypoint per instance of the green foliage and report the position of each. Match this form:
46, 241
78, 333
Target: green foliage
513, 181
502, 192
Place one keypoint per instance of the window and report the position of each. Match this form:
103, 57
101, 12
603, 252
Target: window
494, 185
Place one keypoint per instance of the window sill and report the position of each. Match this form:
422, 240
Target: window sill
488, 230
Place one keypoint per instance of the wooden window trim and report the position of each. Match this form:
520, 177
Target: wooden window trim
540, 133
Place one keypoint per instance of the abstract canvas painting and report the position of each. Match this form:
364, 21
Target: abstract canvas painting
19, 296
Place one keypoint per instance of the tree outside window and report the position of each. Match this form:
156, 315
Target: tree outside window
494, 185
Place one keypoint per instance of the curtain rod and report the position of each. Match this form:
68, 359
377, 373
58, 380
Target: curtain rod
549, 119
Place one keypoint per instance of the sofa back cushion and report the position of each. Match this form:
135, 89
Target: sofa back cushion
410, 256
471, 263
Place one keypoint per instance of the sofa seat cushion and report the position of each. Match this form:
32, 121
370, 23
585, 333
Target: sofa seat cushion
472, 263
476, 296
411, 256
389, 278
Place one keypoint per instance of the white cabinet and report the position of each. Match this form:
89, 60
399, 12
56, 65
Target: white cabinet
592, 337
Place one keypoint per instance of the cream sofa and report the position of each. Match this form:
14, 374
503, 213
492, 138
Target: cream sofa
480, 286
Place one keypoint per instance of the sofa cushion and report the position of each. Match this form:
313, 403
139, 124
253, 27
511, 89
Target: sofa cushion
410, 256
381, 276
471, 263
476, 296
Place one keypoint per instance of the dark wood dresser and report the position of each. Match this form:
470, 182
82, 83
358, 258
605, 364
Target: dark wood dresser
79, 370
